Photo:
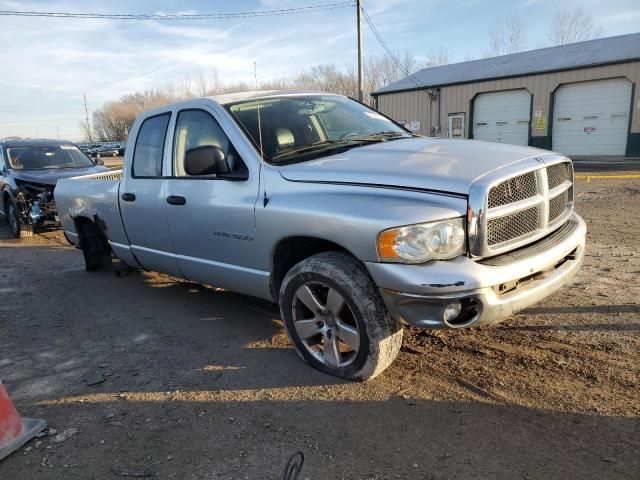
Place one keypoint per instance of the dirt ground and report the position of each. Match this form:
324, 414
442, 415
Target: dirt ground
202, 384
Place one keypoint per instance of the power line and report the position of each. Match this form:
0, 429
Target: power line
401, 67
182, 16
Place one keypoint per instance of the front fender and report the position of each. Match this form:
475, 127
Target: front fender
350, 216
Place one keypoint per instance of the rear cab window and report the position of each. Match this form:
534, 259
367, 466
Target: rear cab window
149, 147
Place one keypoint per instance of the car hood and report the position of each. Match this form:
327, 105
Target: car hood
50, 177
421, 163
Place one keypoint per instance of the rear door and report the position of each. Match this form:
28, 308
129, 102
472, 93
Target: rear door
143, 198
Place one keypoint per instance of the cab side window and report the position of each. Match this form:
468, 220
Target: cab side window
196, 128
147, 156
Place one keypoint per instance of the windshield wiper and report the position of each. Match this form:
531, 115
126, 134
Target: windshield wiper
324, 143
382, 136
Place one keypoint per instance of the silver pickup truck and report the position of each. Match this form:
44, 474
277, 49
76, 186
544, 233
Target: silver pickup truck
351, 223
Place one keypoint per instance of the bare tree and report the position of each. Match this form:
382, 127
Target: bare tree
114, 120
202, 82
572, 25
436, 58
507, 35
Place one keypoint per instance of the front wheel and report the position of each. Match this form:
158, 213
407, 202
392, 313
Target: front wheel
335, 318
18, 228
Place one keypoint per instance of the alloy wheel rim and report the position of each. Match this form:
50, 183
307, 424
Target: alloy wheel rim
325, 324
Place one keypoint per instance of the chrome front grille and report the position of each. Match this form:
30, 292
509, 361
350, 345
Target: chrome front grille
512, 190
557, 174
558, 205
514, 225
520, 208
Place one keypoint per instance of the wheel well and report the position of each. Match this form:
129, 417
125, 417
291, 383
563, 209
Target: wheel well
292, 250
84, 223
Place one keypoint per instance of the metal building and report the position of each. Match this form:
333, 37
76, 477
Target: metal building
577, 99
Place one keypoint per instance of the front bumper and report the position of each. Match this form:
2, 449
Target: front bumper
490, 290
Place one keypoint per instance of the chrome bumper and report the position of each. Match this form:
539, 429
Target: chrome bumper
490, 290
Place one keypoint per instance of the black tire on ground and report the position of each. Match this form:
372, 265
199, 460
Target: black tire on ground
380, 336
17, 227
95, 248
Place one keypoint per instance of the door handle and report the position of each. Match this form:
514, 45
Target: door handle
176, 200
128, 197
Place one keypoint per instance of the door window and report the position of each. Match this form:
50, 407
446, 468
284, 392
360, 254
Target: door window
196, 128
147, 156
456, 125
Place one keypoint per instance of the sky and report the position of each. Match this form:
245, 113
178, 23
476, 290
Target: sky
48, 64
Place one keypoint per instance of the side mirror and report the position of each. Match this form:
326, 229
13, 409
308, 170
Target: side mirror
99, 161
205, 160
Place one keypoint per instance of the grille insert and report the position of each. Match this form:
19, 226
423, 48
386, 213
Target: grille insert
513, 190
557, 174
512, 226
558, 206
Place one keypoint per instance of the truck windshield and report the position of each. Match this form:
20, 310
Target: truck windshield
298, 128
47, 157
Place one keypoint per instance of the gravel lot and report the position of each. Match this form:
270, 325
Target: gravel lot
202, 384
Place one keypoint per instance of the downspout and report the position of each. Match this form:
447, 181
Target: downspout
439, 98
430, 114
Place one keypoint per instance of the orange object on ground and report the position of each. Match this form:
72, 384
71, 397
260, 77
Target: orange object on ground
15, 431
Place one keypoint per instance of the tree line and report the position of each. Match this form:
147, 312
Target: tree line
114, 119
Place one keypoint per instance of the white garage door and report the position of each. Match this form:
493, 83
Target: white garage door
502, 117
592, 118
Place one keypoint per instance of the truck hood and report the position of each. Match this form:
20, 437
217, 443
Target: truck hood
421, 163
50, 177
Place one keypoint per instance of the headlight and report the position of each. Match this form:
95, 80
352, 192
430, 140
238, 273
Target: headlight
422, 242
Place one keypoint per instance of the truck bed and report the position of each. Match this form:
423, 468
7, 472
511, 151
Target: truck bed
94, 197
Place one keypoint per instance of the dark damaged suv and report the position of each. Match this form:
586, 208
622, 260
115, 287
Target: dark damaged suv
29, 170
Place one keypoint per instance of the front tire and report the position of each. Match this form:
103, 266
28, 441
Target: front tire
17, 227
336, 319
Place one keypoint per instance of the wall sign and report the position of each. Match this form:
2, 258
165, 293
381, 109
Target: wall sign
541, 123
537, 112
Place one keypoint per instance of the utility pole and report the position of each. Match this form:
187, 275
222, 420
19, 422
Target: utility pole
360, 57
86, 116
58, 132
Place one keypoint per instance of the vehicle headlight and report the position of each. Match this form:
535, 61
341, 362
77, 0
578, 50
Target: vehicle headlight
424, 241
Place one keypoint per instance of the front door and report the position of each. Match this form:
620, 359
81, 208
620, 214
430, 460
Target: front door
212, 219
456, 125
142, 199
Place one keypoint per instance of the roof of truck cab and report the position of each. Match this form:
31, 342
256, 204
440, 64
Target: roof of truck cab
34, 142
254, 94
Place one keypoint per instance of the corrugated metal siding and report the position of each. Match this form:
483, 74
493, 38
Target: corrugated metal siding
414, 105
408, 107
